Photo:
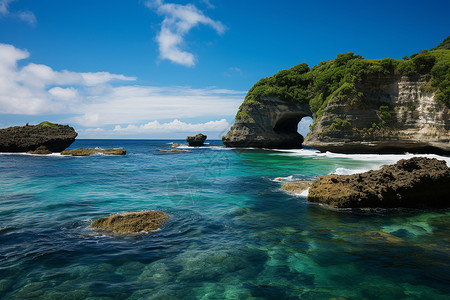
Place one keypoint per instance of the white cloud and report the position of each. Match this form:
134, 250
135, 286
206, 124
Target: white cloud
175, 126
23, 90
178, 21
26, 16
101, 98
63, 93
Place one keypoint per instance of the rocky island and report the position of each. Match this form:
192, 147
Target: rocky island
357, 106
196, 140
54, 137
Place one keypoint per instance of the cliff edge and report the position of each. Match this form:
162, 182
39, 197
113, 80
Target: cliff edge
357, 105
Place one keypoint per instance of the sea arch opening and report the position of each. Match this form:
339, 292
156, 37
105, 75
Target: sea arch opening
292, 127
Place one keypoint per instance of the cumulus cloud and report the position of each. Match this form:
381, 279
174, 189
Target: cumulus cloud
26, 16
175, 126
97, 99
33, 89
178, 21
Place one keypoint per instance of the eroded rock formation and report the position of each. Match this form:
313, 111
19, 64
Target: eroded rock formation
270, 123
416, 182
54, 137
357, 105
132, 221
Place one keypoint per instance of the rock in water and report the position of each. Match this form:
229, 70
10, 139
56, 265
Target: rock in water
416, 182
132, 221
54, 137
196, 140
175, 145
174, 151
42, 150
90, 151
296, 187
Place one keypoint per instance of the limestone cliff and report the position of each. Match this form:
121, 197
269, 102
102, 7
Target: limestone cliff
358, 106
395, 116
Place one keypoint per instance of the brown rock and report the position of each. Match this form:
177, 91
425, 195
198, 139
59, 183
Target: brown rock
175, 145
416, 182
132, 221
90, 151
296, 187
42, 150
174, 151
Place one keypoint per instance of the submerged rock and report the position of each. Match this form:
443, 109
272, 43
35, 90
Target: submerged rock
196, 140
54, 137
416, 182
42, 150
175, 145
132, 221
90, 151
174, 151
296, 187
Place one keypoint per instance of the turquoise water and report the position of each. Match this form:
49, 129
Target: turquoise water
233, 234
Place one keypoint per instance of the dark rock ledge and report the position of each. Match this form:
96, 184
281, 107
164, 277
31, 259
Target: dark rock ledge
413, 183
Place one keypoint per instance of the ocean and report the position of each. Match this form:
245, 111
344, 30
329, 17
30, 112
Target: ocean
233, 233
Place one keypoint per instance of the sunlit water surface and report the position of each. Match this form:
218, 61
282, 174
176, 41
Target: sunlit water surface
233, 233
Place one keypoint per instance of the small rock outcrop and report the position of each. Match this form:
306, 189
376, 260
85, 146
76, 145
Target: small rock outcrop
175, 145
131, 222
54, 137
174, 151
416, 182
42, 150
296, 187
196, 140
90, 151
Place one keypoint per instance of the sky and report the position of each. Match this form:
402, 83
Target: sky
167, 69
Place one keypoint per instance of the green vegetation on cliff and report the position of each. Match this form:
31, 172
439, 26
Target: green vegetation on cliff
337, 80
48, 124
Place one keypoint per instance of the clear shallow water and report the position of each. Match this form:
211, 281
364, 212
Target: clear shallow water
233, 233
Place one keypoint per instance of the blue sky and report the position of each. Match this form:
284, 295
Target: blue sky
166, 69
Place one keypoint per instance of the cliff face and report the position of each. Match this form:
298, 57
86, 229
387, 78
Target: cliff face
395, 116
268, 123
28, 138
